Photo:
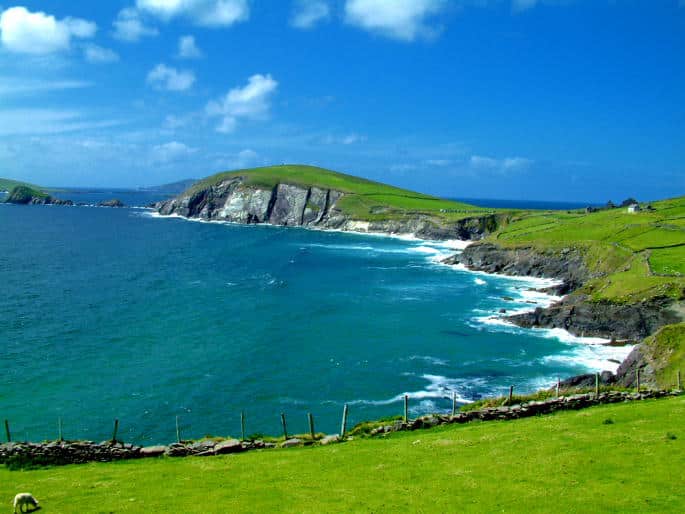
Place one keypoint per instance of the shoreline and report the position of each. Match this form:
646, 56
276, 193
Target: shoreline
455, 246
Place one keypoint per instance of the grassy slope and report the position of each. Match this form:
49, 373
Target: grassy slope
23, 194
665, 351
569, 462
640, 255
8, 184
364, 199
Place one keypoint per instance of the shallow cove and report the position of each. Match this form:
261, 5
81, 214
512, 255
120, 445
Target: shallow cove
111, 313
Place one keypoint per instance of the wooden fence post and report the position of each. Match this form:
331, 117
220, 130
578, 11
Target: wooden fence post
596, 385
285, 427
178, 431
637, 380
678, 380
7, 431
454, 403
242, 425
558, 386
511, 395
343, 425
406, 408
59, 428
311, 425
116, 429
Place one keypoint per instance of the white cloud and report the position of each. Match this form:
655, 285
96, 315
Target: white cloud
252, 102
307, 13
98, 54
405, 20
19, 86
246, 158
349, 139
129, 26
206, 13
187, 48
171, 79
506, 165
171, 152
28, 32
172, 122
32, 121
439, 162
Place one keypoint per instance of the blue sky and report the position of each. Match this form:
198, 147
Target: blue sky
516, 99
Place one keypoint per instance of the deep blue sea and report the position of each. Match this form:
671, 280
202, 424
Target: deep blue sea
114, 313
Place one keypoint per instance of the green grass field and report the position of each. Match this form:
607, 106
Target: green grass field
364, 199
636, 256
617, 458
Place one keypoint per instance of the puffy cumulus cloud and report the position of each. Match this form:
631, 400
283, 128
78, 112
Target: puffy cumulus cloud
188, 49
251, 102
171, 152
98, 55
129, 26
405, 20
171, 79
308, 13
206, 13
23, 31
506, 165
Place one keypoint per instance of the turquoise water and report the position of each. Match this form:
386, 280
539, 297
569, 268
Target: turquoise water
113, 313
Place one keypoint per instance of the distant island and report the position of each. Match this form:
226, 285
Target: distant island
622, 268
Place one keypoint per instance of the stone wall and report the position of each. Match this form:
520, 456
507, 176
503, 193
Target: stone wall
54, 453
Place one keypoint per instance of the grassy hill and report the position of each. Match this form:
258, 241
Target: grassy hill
638, 255
617, 458
24, 194
364, 199
8, 184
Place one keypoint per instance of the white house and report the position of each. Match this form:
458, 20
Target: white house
633, 207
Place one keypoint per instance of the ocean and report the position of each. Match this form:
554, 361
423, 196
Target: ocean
118, 314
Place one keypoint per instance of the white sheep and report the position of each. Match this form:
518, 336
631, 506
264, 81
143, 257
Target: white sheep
25, 500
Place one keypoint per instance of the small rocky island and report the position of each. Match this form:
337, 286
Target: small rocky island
114, 202
25, 195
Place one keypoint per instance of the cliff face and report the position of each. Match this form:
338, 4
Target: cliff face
576, 313
566, 265
290, 205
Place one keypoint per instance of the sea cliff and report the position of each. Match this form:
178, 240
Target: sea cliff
237, 200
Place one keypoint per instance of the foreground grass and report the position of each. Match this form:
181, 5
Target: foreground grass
617, 458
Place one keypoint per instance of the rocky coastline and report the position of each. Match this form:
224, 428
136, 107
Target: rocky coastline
235, 200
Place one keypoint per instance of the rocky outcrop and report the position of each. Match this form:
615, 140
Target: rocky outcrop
24, 195
114, 202
566, 264
237, 201
582, 317
575, 313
